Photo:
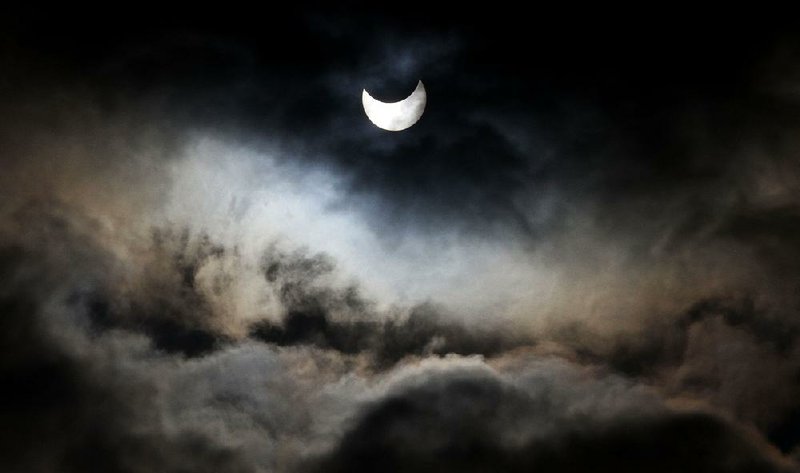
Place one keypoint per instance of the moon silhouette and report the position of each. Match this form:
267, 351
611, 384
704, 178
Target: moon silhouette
396, 116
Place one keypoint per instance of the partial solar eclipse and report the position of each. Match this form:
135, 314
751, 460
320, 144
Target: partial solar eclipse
396, 116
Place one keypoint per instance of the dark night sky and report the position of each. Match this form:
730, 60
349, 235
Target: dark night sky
584, 256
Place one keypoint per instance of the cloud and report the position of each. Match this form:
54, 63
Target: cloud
329, 380
79, 408
551, 416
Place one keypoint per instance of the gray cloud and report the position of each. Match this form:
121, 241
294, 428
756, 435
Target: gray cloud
548, 417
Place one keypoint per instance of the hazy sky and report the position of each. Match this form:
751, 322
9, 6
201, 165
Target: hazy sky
584, 257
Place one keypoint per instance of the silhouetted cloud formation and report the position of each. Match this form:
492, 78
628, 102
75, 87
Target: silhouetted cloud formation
466, 421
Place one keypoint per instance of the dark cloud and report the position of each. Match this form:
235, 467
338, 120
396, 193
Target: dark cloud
466, 418
422, 333
344, 321
728, 352
468, 422
62, 412
664, 344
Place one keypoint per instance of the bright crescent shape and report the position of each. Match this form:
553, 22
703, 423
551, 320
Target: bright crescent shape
396, 116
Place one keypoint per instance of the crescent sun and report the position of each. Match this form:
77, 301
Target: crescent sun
396, 116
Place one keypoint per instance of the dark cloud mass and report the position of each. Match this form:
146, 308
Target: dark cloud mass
478, 423
584, 256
